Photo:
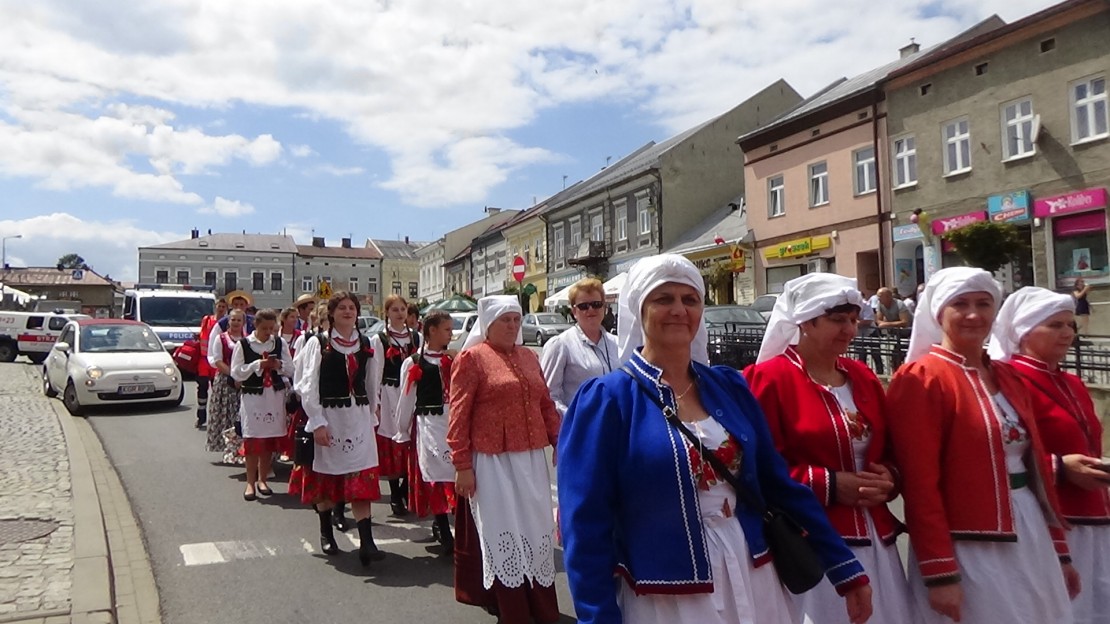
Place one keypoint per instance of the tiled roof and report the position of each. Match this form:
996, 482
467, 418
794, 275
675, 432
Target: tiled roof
396, 250
234, 242
50, 276
356, 253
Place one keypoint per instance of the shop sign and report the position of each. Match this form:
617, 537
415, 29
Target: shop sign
734, 260
943, 226
558, 283
706, 264
909, 231
1009, 207
1089, 199
799, 247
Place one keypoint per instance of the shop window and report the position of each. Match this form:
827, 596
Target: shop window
778, 276
957, 146
1080, 247
1017, 129
865, 170
905, 161
1090, 118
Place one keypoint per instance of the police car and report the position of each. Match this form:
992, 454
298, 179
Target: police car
173, 311
31, 334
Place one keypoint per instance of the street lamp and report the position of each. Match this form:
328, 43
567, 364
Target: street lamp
4, 250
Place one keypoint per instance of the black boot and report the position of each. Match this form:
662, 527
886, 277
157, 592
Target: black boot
327, 537
397, 498
338, 519
443, 533
367, 549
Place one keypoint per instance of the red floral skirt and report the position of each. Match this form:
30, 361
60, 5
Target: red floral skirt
428, 499
261, 446
393, 457
356, 486
296, 480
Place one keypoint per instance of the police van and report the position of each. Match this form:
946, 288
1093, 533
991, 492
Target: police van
32, 334
173, 311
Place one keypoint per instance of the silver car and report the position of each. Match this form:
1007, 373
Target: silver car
543, 326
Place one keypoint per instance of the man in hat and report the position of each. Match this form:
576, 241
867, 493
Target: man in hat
304, 305
238, 300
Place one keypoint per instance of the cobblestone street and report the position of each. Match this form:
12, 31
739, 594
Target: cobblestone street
36, 574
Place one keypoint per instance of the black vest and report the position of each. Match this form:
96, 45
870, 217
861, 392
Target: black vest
429, 390
391, 372
334, 389
254, 383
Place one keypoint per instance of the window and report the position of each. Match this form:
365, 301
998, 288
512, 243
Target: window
622, 227
258, 280
162, 276
210, 278
818, 184
414, 290
396, 288
307, 284
1048, 45
539, 250
575, 233
957, 146
276, 279
231, 281
926, 88
372, 285
352, 285
865, 170
557, 245
776, 197
1079, 247
597, 228
643, 211
182, 277
1017, 129
905, 161
981, 69
1089, 118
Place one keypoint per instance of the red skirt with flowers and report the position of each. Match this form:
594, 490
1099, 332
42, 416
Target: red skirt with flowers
393, 457
261, 446
355, 486
428, 499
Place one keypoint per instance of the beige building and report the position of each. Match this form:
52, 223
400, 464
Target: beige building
445, 263
357, 270
400, 269
525, 237
1011, 125
90, 292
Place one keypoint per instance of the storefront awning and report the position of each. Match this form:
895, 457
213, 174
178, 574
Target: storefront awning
614, 286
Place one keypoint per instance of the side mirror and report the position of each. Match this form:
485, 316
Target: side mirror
61, 346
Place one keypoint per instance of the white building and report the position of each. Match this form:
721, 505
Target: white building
433, 277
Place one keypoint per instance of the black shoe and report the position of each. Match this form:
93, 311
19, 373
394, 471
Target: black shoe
338, 519
250, 497
327, 537
397, 499
264, 490
367, 549
442, 530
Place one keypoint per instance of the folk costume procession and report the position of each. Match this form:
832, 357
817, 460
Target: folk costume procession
676, 478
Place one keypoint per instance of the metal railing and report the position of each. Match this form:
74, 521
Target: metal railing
884, 352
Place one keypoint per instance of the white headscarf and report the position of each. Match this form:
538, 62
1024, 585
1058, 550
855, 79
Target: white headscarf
942, 287
489, 310
804, 299
1022, 311
644, 277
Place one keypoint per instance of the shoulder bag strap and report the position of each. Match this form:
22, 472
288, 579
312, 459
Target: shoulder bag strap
719, 467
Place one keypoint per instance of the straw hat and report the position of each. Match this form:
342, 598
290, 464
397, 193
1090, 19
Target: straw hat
303, 299
239, 294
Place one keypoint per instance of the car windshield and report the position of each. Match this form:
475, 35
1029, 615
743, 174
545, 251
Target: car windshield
457, 322
174, 311
550, 319
764, 303
720, 316
116, 338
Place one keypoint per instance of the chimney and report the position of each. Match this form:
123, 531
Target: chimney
317, 241
910, 49
346, 243
195, 234
490, 210
406, 240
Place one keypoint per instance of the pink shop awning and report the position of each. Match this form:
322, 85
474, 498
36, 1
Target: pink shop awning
1082, 223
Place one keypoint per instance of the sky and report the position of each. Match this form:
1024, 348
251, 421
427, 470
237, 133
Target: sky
126, 123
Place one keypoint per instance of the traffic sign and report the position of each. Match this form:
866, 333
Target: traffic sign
518, 269
323, 291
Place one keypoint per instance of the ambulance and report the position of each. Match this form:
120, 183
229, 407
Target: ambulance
32, 334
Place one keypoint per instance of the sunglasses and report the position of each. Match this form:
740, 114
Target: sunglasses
586, 305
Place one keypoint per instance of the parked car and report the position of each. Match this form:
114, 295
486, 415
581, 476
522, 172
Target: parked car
726, 317
105, 361
735, 333
369, 325
764, 304
31, 334
461, 324
543, 326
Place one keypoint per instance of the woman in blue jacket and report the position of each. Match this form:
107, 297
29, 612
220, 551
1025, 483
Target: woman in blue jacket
652, 534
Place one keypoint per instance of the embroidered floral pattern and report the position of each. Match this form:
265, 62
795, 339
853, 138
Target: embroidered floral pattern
1013, 432
729, 452
858, 427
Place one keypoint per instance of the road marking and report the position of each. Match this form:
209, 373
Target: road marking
201, 554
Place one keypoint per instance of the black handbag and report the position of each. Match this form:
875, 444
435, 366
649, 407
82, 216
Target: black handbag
304, 447
798, 567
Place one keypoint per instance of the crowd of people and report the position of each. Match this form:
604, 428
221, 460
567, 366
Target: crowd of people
688, 492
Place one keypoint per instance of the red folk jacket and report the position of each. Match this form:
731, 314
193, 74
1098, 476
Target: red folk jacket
1068, 423
948, 444
812, 435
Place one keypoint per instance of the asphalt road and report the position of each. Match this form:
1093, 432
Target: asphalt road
217, 558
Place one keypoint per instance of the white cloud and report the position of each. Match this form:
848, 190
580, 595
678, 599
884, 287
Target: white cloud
338, 172
301, 151
437, 86
110, 247
227, 208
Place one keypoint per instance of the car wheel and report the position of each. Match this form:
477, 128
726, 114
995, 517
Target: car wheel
69, 398
37, 358
8, 352
540, 340
47, 389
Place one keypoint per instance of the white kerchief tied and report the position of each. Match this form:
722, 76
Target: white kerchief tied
804, 299
942, 287
644, 277
1022, 311
489, 310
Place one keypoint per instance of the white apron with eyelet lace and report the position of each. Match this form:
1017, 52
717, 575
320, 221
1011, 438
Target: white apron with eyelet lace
514, 518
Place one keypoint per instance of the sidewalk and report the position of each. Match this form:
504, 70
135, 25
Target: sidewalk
70, 549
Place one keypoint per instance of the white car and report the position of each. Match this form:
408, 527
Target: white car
461, 324
106, 361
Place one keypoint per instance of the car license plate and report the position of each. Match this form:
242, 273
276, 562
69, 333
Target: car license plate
136, 388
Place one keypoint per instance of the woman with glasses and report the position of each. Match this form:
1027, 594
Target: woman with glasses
583, 352
1034, 332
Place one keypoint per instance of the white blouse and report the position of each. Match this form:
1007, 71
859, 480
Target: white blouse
241, 371
570, 359
308, 386
216, 347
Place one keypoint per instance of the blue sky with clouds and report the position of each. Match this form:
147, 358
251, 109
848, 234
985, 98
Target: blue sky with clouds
129, 122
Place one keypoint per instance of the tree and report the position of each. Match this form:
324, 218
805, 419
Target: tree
71, 261
987, 245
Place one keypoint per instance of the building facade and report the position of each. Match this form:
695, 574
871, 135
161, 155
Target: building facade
1011, 126
400, 268
355, 269
433, 277
90, 292
261, 264
525, 238
720, 247
489, 262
